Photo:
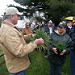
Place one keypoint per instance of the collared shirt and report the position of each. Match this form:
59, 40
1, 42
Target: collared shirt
50, 29
9, 22
70, 27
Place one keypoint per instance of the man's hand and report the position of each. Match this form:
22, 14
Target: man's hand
39, 41
63, 52
55, 51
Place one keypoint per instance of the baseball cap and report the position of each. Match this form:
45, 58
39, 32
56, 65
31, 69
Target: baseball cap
12, 10
73, 19
61, 24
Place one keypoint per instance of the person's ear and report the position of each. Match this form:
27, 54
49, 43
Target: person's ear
11, 16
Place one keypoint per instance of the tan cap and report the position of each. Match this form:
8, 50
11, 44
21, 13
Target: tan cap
12, 10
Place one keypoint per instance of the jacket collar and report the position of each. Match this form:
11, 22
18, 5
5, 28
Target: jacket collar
56, 31
9, 24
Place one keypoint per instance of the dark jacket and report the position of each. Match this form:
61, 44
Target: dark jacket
57, 38
68, 30
43, 26
72, 35
47, 29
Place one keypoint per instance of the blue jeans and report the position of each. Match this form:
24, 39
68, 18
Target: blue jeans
19, 73
72, 63
55, 69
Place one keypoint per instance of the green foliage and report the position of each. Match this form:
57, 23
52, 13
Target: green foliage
1, 58
32, 6
38, 62
40, 33
53, 9
60, 46
73, 10
59, 9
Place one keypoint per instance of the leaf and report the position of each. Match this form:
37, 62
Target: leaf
60, 46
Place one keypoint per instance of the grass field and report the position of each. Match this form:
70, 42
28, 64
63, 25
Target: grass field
39, 65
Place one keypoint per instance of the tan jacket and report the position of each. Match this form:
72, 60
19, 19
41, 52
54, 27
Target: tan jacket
15, 48
26, 31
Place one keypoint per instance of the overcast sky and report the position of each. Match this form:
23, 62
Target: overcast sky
4, 3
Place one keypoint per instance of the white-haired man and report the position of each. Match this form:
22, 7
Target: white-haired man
14, 45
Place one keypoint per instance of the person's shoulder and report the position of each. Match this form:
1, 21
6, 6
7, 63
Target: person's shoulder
67, 36
67, 28
41, 26
5, 27
23, 28
46, 26
30, 29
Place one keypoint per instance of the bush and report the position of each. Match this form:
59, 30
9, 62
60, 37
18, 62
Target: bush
58, 10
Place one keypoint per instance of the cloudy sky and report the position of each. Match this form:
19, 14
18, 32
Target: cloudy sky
4, 3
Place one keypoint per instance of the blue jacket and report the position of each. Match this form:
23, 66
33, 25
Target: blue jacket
46, 28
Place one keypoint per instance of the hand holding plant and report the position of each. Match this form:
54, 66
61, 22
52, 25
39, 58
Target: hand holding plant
40, 33
60, 48
39, 41
55, 51
63, 52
